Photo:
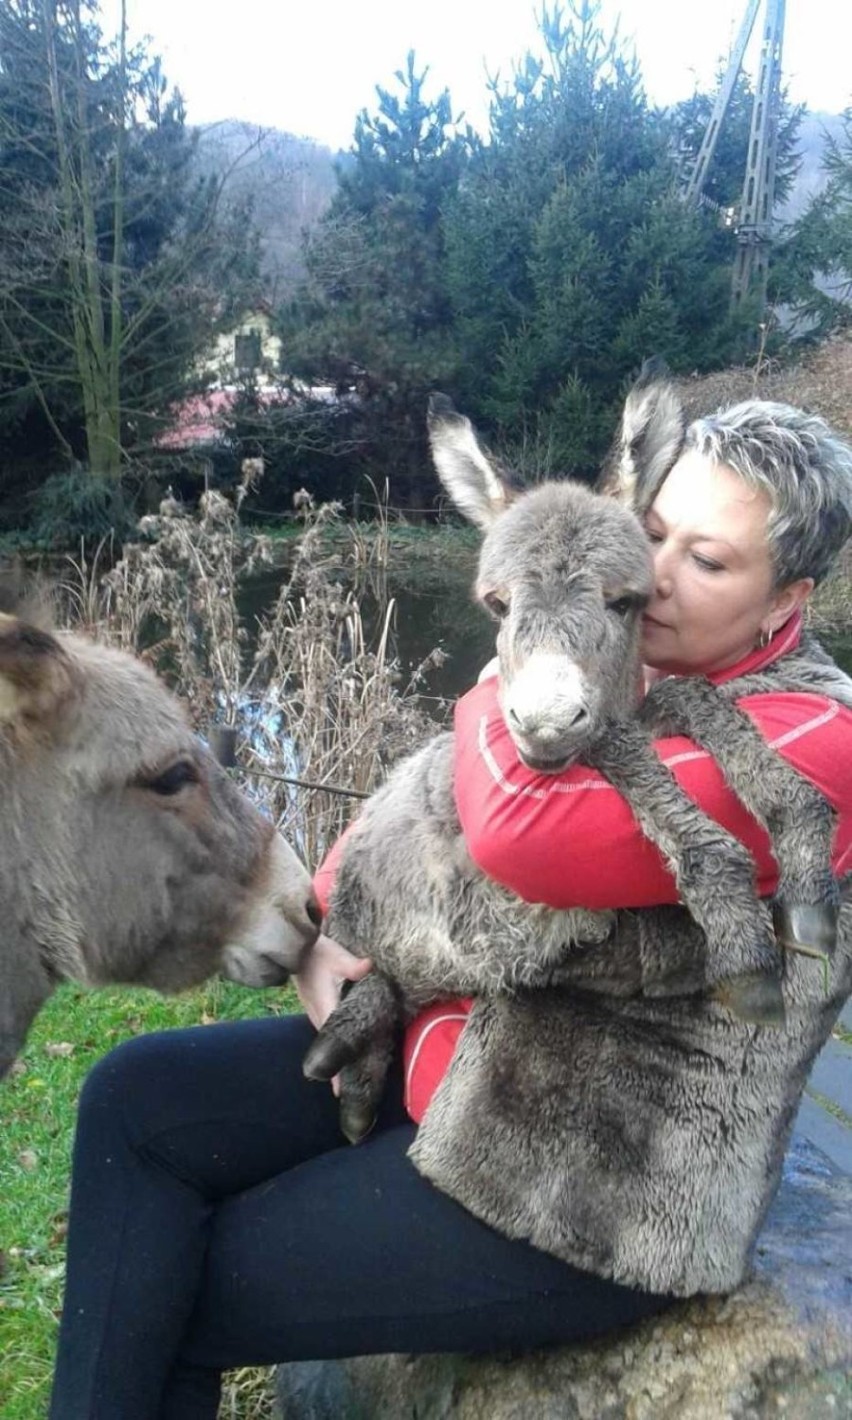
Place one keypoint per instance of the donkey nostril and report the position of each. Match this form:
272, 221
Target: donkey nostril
514, 717
581, 715
314, 912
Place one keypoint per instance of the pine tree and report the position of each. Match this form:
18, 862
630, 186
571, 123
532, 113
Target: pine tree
373, 316
814, 272
114, 256
570, 253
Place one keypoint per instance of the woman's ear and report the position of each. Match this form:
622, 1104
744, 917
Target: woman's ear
787, 600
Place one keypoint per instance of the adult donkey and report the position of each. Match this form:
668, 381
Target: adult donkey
126, 853
565, 573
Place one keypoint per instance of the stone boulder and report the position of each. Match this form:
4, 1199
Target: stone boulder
781, 1346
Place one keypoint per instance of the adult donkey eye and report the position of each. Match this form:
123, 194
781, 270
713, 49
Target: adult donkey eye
175, 778
496, 605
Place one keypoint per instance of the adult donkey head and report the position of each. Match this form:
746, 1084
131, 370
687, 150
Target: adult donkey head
565, 573
126, 852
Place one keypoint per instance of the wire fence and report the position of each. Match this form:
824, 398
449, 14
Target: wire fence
436, 510
305, 783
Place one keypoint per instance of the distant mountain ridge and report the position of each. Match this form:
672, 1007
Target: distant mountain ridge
292, 180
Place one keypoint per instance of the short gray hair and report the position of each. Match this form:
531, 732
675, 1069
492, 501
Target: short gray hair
803, 467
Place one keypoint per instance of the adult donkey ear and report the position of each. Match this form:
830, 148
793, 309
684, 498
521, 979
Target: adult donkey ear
649, 440
36, 673
478, 489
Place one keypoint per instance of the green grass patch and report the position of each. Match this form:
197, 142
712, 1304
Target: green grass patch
37, 1110
830, 1106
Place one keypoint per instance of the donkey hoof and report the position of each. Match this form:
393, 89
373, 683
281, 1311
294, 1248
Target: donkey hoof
356, 1120
325, 1057
756, 999
802, 924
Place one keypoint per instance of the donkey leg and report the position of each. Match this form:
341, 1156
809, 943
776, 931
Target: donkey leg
370, 1009
357, 1043
361, 1088
798, 818
713, 871
24, 988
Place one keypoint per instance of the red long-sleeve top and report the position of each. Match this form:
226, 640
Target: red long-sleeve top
570, 840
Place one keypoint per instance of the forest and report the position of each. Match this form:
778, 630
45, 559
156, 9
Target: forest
527, 273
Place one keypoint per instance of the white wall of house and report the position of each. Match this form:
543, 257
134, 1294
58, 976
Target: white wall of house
251, 344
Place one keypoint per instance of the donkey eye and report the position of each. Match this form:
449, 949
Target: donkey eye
175, 778
496, 605
622, 605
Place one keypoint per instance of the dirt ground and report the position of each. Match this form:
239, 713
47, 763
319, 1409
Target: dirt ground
820, 382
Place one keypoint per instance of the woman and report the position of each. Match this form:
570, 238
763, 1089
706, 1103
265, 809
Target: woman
216, 1217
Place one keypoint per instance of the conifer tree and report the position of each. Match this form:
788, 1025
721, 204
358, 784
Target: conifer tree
373, 316
116, 259
570, 253
814, 273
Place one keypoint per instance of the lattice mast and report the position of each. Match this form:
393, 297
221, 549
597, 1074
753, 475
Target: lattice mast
698, 176
754, 226
754, 231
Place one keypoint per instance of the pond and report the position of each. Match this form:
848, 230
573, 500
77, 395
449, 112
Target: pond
434, 607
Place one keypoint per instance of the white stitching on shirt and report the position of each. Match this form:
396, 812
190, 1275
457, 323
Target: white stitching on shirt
560, 787
424, 1032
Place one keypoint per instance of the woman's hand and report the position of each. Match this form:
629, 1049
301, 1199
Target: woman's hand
326, 967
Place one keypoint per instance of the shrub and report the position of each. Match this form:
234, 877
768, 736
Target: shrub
79, 507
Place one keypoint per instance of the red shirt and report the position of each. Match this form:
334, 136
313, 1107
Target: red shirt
543, 835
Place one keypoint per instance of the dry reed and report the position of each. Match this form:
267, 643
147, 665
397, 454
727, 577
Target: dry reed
313, 687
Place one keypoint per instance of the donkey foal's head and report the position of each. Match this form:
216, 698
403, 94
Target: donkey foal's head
565, 573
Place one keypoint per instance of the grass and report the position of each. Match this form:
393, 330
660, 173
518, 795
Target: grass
830, 1106
37, 1108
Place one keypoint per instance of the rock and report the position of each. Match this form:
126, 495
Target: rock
781, 1346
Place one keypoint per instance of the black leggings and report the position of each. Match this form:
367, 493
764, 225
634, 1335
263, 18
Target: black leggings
218, 1219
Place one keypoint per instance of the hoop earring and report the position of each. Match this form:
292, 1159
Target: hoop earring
765, 639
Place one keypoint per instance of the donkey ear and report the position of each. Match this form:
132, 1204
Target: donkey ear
36, 673
649, 440
474, 484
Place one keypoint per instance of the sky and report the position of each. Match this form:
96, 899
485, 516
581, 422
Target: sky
310, 66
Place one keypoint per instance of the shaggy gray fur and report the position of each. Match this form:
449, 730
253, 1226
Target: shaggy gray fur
126, 853
567, 570
628, 1122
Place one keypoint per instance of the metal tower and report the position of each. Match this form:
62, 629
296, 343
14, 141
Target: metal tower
754, 225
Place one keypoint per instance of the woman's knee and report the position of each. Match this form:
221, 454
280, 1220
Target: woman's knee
124, 1080
168, 1079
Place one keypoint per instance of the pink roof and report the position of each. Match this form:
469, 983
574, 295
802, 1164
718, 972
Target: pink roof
199, 419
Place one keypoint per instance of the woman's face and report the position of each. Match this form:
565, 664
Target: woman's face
713, 579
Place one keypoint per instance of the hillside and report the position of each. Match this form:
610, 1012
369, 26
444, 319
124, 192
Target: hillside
290, 181
821, 381
810, 178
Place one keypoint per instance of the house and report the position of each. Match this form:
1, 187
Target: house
249, 348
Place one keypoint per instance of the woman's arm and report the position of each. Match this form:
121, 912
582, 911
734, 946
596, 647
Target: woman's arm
328, 964
570, 839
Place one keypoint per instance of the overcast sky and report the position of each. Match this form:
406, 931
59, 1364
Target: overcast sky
309, 66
